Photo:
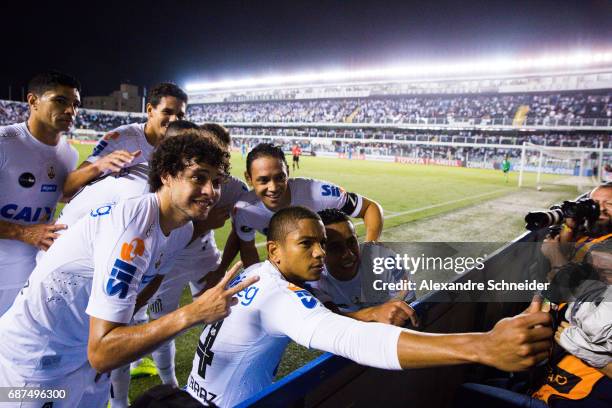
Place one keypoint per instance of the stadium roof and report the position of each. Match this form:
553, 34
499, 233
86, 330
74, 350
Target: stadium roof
544, 63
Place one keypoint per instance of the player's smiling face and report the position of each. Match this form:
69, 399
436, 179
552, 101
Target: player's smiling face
167, 110
195, 190
300, 256
269, 178
342, 259
57, 108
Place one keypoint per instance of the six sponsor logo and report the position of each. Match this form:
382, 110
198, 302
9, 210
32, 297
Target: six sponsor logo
307, 299
123, 271
27, 214
330, 190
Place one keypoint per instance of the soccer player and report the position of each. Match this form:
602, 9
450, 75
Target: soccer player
200, 256
70, 321
131, 144
195, 261
34, 162
296, 151
237, 356
340, 287
267, 172
506, 167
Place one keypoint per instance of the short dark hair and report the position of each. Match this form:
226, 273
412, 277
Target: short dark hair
165, 89
265, 150
284, 221
219, 131
174, 154
332, 216
177, 127
45, 81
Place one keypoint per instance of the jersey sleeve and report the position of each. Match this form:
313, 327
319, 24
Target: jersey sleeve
120, 264
241, 223
231, 192
296, 313
327, 195
293, 312
107, 144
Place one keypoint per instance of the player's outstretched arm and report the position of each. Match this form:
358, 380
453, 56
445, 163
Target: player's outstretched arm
39, 235
87, 171
395, 312
514, 344
372, 214
112, 345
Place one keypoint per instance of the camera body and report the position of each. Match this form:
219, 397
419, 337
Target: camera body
583, 210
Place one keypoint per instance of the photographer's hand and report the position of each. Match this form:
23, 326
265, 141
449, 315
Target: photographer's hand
551, 249
567, 232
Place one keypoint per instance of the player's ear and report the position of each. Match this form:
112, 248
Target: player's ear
166, 179
149, 108
32, 99
273, 251
247, 177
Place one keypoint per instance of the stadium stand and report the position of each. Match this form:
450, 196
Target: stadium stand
547, 108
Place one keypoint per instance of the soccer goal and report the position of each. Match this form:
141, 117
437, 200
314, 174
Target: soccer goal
574, 166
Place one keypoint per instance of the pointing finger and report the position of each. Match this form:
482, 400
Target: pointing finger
242, 285
231, 274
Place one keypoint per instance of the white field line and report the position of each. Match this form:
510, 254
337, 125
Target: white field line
427, 207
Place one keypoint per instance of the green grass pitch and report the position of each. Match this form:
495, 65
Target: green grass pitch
397, 187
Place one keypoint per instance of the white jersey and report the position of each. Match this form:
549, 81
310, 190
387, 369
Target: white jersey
359, 292
250, 214
127, 137
96, 268
237, 356
97, 197
32, 176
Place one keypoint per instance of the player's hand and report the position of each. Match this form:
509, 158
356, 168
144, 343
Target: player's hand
116, 160
214, 304
518, 342
562, 326
395, 312
40, 235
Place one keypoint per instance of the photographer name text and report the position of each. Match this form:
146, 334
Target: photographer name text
468, 285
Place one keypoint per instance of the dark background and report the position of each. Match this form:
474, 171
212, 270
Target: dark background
106, 42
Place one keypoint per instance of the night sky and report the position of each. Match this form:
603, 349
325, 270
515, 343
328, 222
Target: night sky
104, 43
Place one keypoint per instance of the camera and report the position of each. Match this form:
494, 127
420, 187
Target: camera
582, 210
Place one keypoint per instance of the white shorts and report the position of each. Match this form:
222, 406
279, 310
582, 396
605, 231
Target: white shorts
84, 388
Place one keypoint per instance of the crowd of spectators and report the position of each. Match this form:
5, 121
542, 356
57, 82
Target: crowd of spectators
355, 149
509, 138
546, 108
397, 109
